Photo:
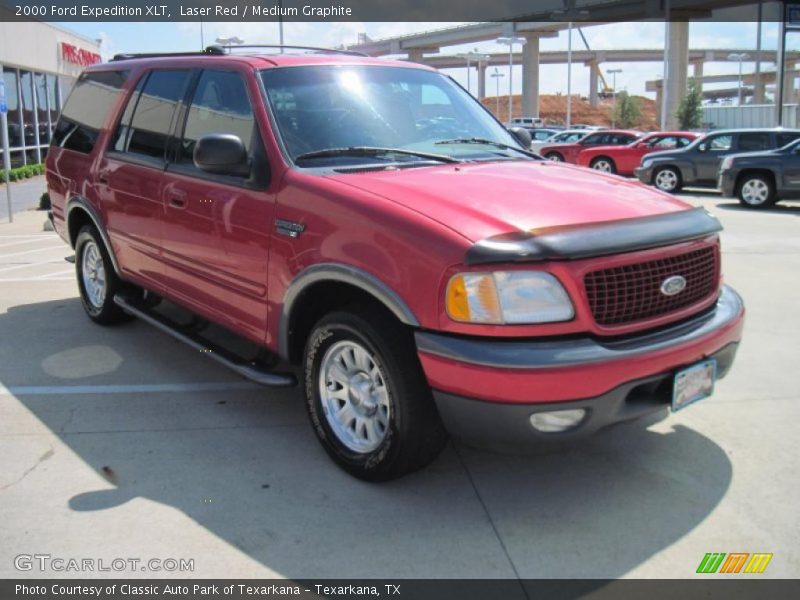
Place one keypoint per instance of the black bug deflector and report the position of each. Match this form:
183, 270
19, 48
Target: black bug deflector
596, 239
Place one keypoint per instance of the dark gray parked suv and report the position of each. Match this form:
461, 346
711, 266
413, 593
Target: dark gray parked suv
759, 179
697, 164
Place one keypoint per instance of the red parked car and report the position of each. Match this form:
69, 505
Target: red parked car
622, 160
369, 226
606, 137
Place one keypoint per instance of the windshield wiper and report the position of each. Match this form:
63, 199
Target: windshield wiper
374, 151
485, 142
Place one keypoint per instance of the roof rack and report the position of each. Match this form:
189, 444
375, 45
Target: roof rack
310, 49
216, 50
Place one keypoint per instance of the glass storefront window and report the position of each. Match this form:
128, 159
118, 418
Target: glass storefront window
14, 123
41, 107
54, 101
26, 90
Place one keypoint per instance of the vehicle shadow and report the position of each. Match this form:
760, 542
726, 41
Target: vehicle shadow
245, 466
781, 209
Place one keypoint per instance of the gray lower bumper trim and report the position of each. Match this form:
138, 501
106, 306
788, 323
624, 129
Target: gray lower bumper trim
510, 354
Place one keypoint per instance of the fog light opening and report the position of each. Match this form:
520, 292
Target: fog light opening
555, 421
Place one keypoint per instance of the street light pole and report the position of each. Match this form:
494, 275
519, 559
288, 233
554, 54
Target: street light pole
613, 73
469, 57
741, 58
569, 75
497, 75
510, 41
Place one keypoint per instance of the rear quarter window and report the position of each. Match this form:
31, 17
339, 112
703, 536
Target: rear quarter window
755, 141
87, 108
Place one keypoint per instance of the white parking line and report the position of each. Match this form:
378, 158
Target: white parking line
28, 235
153, 388
58, 275
34, 279
25, 265
2, 256
19, 242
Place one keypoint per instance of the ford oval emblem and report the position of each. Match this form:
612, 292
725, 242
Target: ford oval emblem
673, 286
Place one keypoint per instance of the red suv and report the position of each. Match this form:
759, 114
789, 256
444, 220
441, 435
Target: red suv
369, 224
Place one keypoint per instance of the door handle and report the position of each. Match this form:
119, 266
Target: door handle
177, 199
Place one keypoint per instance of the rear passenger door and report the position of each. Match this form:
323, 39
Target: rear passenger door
130, 174
217, 227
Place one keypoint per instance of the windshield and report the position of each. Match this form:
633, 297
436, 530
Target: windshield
322, 108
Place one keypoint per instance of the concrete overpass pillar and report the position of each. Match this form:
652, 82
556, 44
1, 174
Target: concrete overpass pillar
415, 55
481, 80
677, 66
758, 91
659, 100
594, 70
530, 76
789, 93
697, 69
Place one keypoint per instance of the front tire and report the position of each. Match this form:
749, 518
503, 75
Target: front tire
367, 397
668, 179
97, 280
756, 191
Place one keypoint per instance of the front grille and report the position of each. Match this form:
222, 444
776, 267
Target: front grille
632, 293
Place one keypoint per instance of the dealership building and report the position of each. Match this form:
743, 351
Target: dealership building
40, 63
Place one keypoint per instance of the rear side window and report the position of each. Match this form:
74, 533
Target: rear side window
754, 141
220, 105
147, 121
786, 138
597, 138
87, 108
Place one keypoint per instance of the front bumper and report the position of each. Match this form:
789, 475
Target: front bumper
487, 389
644, 174
727, 183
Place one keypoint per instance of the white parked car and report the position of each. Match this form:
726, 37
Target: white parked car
569, 136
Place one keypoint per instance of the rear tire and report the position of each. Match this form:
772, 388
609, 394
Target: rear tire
554, 156
97, 280
367, 397
604, 164
668, 179
756, 191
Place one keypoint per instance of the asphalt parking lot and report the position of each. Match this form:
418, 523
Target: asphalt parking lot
119, 442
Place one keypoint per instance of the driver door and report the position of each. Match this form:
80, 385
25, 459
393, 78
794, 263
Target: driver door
707, 162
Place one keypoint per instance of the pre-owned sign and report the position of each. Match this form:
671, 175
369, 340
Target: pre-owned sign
78, 56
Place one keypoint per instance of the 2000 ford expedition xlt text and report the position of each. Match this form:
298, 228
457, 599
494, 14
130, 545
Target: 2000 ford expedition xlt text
370, 222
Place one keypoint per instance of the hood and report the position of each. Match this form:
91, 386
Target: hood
666, 153
756, 154
480, 200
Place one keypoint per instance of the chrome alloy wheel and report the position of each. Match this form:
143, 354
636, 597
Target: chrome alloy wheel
666, 180
602, 165
94, 275
755, 192
354, 396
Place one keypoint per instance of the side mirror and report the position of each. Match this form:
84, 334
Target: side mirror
702, 147
522, 135
221, 154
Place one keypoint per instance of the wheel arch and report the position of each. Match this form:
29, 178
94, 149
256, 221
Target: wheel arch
80, 213
750, 171
324, 287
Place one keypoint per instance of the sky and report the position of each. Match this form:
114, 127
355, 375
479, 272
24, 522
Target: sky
170, 37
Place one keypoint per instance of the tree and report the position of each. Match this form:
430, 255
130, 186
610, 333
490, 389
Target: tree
628, 110
690, 110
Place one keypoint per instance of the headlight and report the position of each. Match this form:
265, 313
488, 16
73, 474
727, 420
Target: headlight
646, 164
726, 163
509, 297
